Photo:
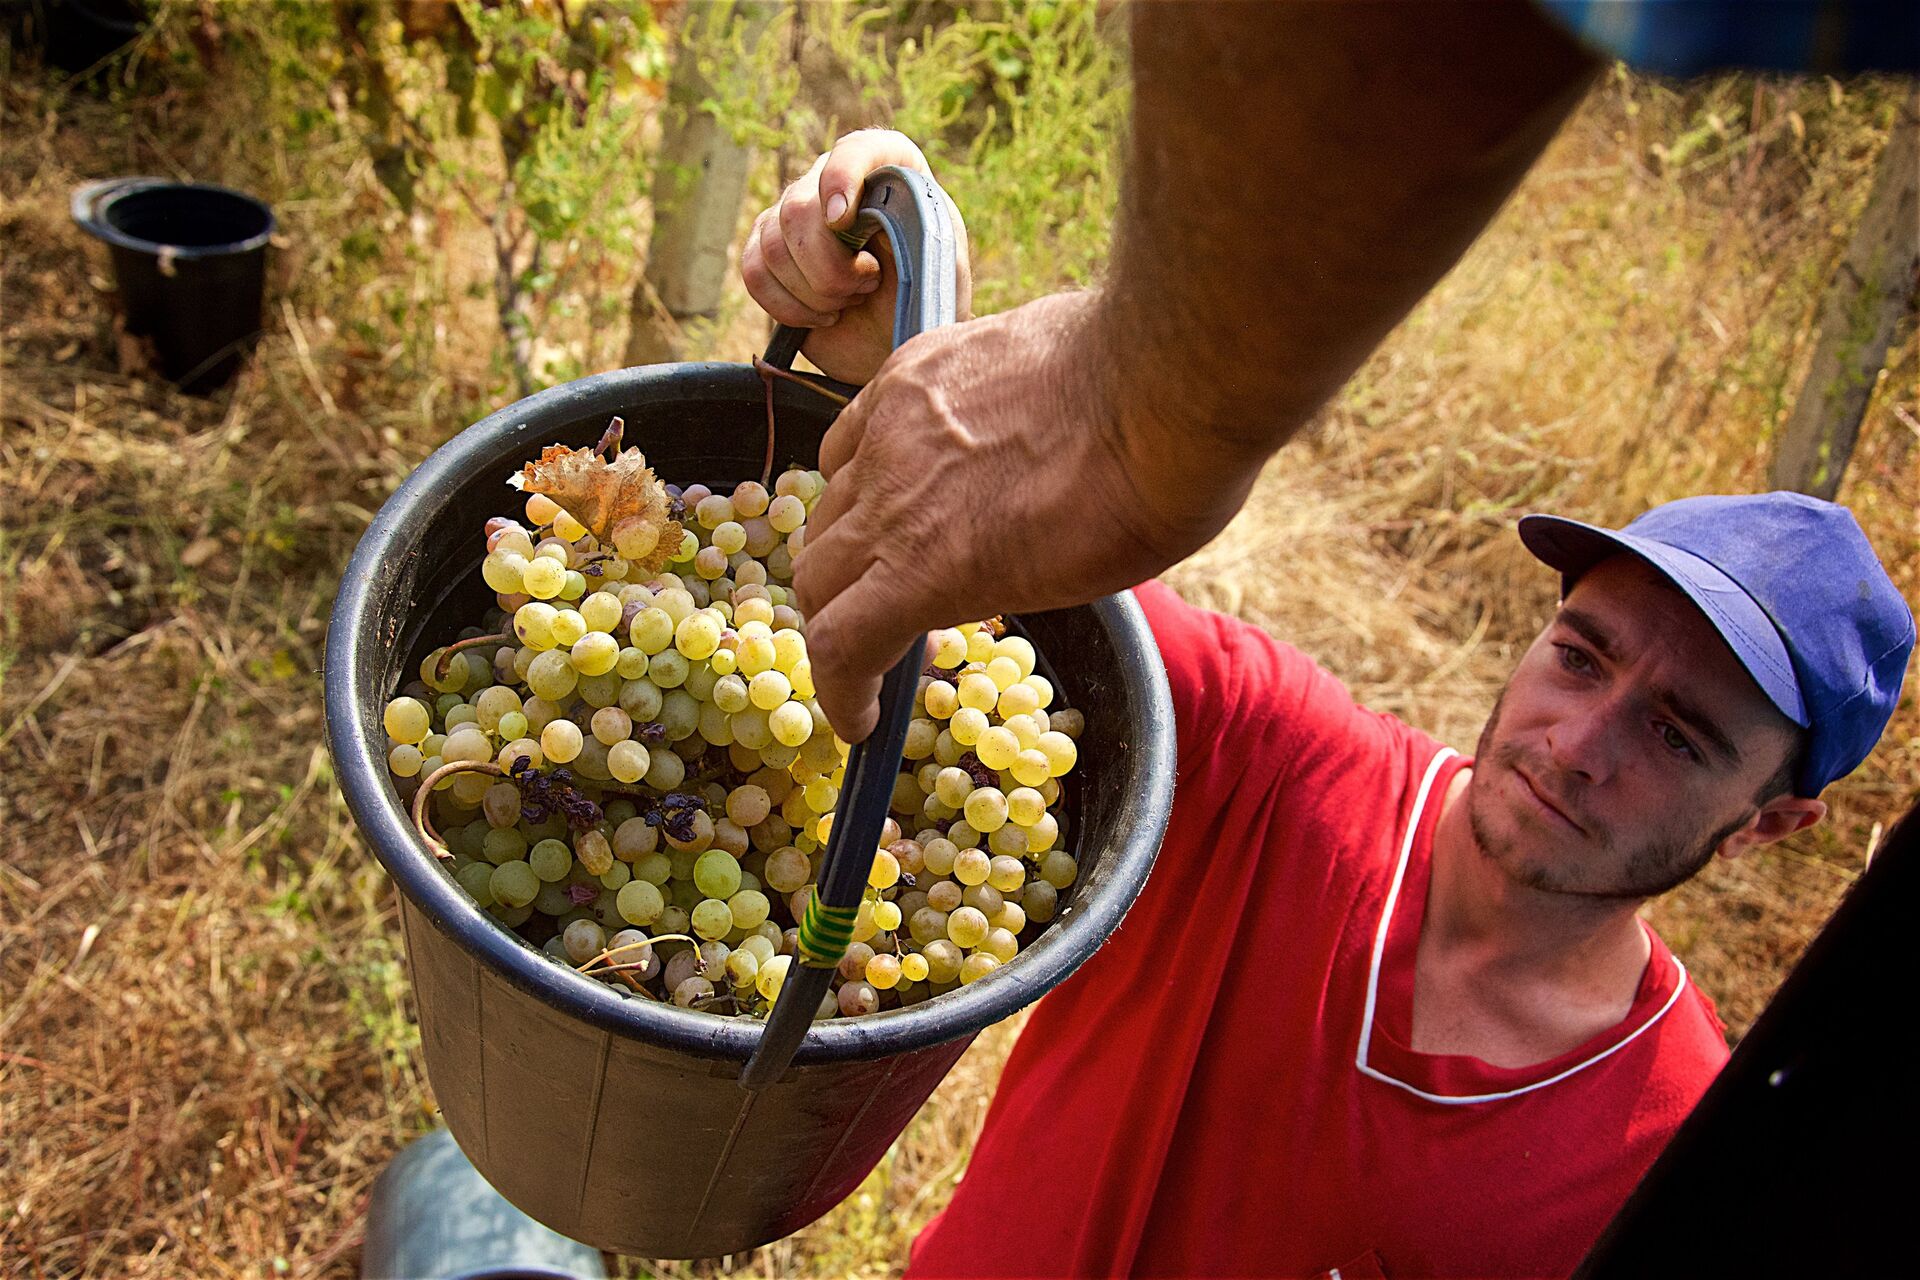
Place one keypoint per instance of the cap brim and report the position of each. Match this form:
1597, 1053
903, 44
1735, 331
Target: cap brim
1573, 548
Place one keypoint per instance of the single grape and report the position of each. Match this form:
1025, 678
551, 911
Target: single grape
997, 747
967, 725
501, 804
788, 869
641, 902
628, 762
584, 940
769, 690
1059, 751
712, 918
561, 741
986, 809
407, 721
594, 852
1030, 769
551, 860
691, 991
404, 760
552, 677
717, 874
971, 866
513, 884
750, 908
477, 879
595, 653
943, 960
772, 976
977, 966
543, 578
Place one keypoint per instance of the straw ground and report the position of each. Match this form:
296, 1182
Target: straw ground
206, 1040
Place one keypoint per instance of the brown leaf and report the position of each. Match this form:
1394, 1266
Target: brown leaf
601, 494
199, 551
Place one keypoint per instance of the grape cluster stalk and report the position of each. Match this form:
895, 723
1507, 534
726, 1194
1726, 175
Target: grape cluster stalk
635, 776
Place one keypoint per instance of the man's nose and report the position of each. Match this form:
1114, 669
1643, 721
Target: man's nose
1584, 741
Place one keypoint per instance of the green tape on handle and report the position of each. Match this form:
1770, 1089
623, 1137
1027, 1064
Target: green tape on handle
826, 933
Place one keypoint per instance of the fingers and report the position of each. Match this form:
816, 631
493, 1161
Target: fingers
852, 641
843, 438
823, 271
765, 283
832, 561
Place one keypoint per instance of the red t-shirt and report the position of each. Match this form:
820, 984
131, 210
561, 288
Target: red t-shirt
1225, 1088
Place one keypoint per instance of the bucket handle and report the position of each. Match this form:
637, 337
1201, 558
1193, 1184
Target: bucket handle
914, 214
88, 197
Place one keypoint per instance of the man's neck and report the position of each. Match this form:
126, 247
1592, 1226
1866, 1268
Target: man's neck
1511, 974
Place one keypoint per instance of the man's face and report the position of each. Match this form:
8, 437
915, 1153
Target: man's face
1627, 745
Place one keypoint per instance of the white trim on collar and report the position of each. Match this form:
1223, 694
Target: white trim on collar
1379, 948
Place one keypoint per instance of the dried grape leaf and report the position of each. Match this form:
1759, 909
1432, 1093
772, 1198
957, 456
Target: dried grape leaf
603, 494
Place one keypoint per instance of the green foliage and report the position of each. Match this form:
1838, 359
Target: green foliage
555, 93
1020, 107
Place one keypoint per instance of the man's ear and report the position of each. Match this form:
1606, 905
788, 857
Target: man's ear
1775, 820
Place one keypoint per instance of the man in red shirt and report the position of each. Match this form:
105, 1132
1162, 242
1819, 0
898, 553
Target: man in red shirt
1382, 1010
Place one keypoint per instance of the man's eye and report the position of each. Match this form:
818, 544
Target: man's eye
1675, 739
1574, 659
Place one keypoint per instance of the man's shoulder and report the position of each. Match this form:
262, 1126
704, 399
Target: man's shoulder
1235, 684
1689, 1044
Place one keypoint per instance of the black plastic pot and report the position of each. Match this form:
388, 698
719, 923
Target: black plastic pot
190, 262
604, 1115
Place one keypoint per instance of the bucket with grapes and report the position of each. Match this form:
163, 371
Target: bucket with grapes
604, 801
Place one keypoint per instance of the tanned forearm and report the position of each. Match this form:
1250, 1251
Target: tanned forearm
1300, 174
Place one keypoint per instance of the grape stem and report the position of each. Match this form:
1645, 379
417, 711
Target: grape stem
440, 666
610, 952
424, 824
768, 372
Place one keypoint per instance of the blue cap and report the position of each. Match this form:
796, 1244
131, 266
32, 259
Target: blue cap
1794, 588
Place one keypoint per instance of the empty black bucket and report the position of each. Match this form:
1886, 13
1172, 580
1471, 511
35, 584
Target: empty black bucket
81, 34
604, 1115
190, 261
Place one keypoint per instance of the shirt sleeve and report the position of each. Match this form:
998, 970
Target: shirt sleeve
1693, 37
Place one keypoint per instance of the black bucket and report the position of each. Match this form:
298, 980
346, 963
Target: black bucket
190, 261
78, 35
603, 1115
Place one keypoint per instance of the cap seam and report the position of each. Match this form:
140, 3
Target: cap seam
1759, 652
1866, 683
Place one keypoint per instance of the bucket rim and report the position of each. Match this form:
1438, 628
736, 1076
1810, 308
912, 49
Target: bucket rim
361, 774
93, 200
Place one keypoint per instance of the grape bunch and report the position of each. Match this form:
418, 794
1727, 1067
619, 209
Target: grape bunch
629, 768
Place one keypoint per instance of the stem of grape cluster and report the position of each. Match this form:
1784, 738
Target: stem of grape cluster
440, 666
610, 952
768, 372
421, 822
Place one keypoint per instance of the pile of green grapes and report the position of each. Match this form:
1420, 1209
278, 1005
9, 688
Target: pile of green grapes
635, 776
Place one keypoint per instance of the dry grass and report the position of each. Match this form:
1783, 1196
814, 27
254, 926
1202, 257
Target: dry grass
206, 1046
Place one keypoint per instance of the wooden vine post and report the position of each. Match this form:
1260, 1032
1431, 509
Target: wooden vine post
699, 182
1874, 287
